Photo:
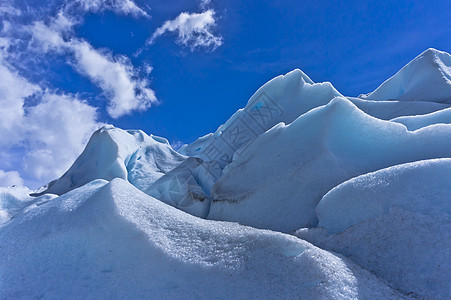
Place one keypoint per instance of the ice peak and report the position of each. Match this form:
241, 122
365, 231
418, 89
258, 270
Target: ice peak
425, 78
115, 153
297, 74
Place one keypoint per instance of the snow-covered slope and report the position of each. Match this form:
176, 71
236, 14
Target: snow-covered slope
277, 182
109, 240
373, 174
282, 99
396, 223
14, 199
386, 110
426, 78
115, 153
422, 186
420, 121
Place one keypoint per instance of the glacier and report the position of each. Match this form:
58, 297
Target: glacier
303, 193
110, 240
115, 153
310, 156
395, 222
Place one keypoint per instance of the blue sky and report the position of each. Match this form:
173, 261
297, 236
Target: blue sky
179, 69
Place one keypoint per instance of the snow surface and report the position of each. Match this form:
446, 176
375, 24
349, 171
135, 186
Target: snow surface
372, 172
410, 250
386, 110
109, 240
422, 186
394, 222
319, 150
426, 78
282, 99
416, 122
14, 199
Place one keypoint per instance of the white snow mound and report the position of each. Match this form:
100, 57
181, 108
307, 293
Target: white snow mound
394, 222
423, 186
416, 122
110, 240
426, 78
277, 182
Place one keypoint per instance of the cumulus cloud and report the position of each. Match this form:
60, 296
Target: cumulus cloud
13, 91
41, 140
116, 76
192, 29
10, 178
57, 129
51, 136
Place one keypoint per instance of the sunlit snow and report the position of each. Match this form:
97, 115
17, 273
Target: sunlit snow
304, 193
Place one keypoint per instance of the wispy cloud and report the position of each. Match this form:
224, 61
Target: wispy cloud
204, 3
40, 138
124, 7
193, 30
115, 75
7, 8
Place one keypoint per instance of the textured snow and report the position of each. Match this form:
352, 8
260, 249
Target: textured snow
310, 156
423, 186
282, 99
394, 222
410, 250
14, 199
366, 179
426, 78
110, 240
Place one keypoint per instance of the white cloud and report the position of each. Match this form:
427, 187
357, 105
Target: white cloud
56, 130
116, 76
10, 178
7, 9
46, 38
126, 7
13, 91
193, 30
42, 140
